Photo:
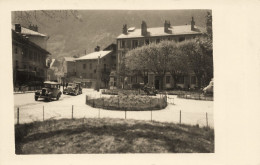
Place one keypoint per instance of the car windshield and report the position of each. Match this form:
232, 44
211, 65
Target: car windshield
49, 85
70, 84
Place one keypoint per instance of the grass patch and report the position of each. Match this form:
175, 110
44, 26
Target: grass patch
106, 135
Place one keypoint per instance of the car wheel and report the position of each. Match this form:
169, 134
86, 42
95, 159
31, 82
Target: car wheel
58, 97
35, 98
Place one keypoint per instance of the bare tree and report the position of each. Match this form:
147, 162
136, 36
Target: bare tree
38, 16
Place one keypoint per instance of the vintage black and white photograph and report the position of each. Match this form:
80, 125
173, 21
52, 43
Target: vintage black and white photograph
113, 81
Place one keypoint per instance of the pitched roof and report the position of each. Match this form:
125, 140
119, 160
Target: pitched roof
27, 31
159, 31
51, 82
18, 37
94, 55
72, 59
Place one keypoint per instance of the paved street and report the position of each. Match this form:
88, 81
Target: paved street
193, 111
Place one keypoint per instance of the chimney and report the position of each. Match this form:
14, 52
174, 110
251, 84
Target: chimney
97, 49
18, 28
144, 28
125, 29
34, 28
192, 24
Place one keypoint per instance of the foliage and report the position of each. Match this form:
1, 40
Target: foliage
177, 64
153, 57
177, 58
209, 24
200, 58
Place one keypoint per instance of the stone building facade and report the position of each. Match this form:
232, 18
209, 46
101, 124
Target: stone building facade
132, 38
96, 67
29, 58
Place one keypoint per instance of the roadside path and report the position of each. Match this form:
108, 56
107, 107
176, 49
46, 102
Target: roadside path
192, 111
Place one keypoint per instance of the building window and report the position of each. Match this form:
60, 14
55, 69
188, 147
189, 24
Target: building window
145, 79
91, 75
181, 39
35, 56
84, 75
113, 57
168, 78
30, 55
122, 44
135, 44
105, 67
147, 41
180, 80
193, 79
25, 53
15, 50
84, 66
24, 66
16, 64
90, 66
158, 40
95, 70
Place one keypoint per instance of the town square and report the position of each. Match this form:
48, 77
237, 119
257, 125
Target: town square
114, 78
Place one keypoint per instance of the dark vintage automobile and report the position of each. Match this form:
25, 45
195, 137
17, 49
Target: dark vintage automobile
150, 90
49, 91
73, 89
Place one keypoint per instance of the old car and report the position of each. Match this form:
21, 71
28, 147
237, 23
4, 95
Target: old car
72, 89
149, 90
49, 91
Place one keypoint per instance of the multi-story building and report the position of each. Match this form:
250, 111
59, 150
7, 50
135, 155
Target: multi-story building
29, 58
132, 38
96, 67
68, 68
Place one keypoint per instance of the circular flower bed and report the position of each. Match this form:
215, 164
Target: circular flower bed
128, 102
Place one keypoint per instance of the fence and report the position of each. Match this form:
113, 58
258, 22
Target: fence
195, 97
27, 88
40, 113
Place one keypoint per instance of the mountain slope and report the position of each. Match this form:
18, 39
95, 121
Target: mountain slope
73, 34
